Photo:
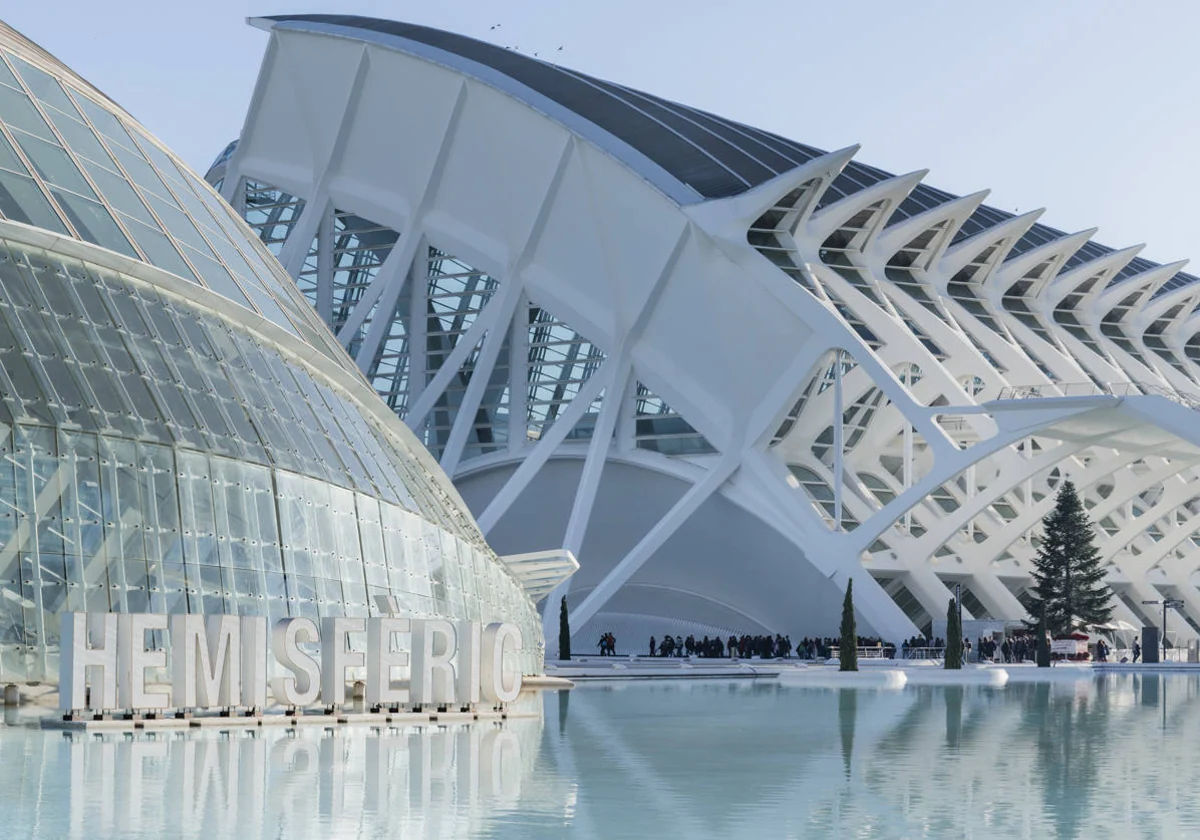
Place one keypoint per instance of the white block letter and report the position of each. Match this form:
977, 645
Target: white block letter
300, 689
207, 666
497, 637
469, 661
336, 657
254, 661
434, 645
76, 656
381, 659
133, 659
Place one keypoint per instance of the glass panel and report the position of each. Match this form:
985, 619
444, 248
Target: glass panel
159, 250
119, 193
22, 201
9, 159
104, 120
216, 277
19, 112
93, 222
178, 224
79, 138
43, 85
6, 76
54, 164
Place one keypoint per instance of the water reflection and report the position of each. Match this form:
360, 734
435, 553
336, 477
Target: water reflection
1071, 759
308, 781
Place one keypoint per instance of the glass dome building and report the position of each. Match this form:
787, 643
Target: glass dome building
179, 432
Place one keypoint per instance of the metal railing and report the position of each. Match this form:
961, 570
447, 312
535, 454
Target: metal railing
1091, 389
866, 652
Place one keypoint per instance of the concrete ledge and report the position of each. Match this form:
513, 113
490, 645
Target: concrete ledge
546, 684
1143, 668
888, 678
611, 668
278, 719
970, 675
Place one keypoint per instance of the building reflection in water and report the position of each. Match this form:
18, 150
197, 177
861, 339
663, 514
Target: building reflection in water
1072, 758
308, 781
1109, 756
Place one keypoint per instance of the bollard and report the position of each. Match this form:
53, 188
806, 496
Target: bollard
12, 696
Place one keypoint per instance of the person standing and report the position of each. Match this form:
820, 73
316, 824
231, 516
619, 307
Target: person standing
1137, 650
652, 646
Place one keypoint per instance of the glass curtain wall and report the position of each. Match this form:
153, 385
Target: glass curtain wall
155, 457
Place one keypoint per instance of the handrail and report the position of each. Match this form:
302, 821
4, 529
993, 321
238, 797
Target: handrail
867, 652
1093, 389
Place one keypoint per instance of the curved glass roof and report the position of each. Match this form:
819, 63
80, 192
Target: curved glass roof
73, 163
711, 156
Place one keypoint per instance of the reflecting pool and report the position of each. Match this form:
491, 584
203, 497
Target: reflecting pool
1107, 756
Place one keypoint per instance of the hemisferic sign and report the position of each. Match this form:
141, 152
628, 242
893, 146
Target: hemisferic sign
221, 661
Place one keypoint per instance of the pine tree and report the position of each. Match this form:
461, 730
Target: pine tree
848, 648
564, 631
954, 638
1069, 589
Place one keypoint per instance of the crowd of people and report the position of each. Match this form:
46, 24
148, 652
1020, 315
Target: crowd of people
760, 646
1013, 649
1019, 648
909, 647
744, 647
823, 648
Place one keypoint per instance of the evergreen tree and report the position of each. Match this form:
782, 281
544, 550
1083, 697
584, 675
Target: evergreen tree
1069, 589
954, 638
848, 648
564, 631
1043, 643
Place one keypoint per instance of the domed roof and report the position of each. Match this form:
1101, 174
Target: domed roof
75, 163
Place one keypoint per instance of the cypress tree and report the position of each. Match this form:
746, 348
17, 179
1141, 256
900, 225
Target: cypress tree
1069, 589
954, 638
848, 648
564, 631
1043, 643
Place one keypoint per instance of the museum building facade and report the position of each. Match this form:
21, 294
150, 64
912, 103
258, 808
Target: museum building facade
729, 371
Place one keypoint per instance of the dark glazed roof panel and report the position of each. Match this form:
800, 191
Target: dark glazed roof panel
714, 156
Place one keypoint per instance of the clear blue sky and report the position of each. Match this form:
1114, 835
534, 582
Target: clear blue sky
1086, 108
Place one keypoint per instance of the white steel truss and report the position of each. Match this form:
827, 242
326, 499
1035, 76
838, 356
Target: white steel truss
876, 380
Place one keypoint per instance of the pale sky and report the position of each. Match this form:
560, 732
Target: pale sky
1085, 107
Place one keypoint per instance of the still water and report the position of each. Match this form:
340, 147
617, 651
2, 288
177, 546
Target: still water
1109, 756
